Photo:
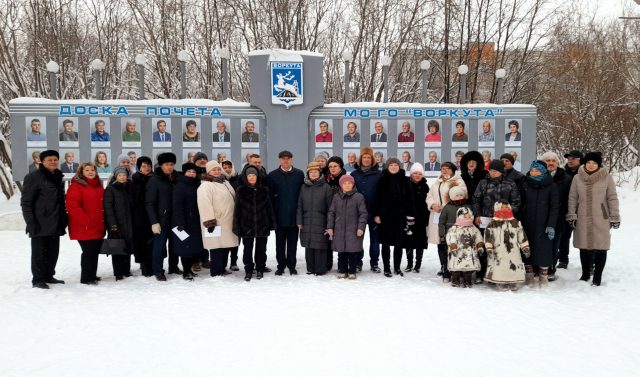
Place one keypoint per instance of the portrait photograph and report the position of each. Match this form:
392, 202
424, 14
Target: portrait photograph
513, 133
68, 132
486, 133
36, 131
161, 135
100, 132
250, 136
406, 134
460, 132
379, 133
221, 133
131, 132
351, 136
191, 133
433, 133
323, 133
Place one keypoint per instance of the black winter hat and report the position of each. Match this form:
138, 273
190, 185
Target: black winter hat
509, 157
189, 166
497, 165
576, 154
166, 157
338, 160
200, 156
285, 154
48, 153
141, 160
590, 156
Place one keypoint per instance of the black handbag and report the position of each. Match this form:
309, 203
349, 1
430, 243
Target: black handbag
114, 246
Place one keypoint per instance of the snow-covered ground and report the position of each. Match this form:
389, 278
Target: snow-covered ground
317, 326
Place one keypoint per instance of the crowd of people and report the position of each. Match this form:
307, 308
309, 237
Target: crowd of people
499, 225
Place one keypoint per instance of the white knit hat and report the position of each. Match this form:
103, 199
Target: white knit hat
417, 168
212, 164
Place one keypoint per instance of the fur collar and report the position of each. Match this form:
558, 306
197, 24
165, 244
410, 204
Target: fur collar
590, 179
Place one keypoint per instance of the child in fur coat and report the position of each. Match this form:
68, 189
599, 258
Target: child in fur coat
465, 244
504, 240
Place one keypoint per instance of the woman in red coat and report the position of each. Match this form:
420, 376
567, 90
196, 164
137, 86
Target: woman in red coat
86, 218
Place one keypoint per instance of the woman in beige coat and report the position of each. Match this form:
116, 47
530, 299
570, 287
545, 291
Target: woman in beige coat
593, 211
216, 202
437, 198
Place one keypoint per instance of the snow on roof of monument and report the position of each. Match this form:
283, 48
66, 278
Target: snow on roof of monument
121, 102
283, 55
418, 104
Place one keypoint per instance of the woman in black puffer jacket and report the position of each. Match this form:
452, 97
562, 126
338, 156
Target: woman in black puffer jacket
142, 234
186, 217
118, 218
253, 221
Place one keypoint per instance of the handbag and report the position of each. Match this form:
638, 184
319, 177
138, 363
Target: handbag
114, 246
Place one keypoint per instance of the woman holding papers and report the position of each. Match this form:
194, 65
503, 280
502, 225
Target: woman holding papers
186, 219
216, 202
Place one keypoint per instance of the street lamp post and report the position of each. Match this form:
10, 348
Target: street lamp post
462, 71
97, 66
500, 74
347, 56
224, 55
53, 68
141, 61
183, 58
424, 68
386, 62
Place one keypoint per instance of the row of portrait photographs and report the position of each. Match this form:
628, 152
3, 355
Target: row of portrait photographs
433, 157
406, 137
100, 136
105, 160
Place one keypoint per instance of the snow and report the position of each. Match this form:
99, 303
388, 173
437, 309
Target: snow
149, 102
277, 54
421, 105
318, 326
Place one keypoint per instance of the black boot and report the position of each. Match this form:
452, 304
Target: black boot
409, 260
601, 260
585, 262
419, 253
467, 276
455, 278
248, 275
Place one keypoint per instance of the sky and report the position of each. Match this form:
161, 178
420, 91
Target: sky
607, 9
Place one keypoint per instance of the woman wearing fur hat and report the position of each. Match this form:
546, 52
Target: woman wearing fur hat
593, 211
465, 244
311, 216
216, 203
346, 220
235, 181
118, 218
186, 218
394, 212
418, 239
437, 198
367, 176
253, 221
504, 240
540, 214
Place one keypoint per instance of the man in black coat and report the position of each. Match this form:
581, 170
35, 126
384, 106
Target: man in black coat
562, 181
512, 174
158, 201
44, 211
472, 171
284, 187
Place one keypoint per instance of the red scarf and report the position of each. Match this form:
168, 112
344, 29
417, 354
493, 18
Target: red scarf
503, 214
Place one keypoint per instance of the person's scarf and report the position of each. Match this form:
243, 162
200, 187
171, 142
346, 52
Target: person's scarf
503, 214
461, 221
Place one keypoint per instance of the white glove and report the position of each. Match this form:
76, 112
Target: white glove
155, 228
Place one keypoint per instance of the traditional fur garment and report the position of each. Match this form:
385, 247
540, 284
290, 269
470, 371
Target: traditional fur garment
465, 243
504, 240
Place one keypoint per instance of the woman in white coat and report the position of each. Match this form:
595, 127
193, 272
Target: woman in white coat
437, 198
216, 201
